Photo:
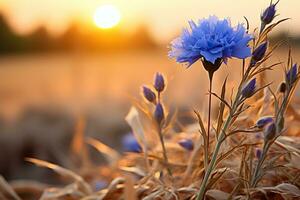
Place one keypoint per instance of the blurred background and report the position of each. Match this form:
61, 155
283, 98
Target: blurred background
65, 60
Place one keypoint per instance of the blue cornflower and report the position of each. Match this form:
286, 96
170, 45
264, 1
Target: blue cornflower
130, 143
212, 40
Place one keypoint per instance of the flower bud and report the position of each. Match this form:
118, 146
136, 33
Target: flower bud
149, 94
291, 75
282, 87
186, 144
249, 89
270, 132
259, 52
159, 113
212, 67
258, 153
159, 82
130, 144
262, 122
268, 14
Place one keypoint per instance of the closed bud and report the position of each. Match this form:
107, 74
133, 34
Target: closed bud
130, 144
186, 144
159, 114
282, 87
291, 75
259, 52
258, 153
269, 14
159, 82
270, 132
262, 122
149, 94
249, 89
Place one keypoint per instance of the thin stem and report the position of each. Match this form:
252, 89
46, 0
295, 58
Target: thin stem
161, 137
209, 109
214, 157
164, 151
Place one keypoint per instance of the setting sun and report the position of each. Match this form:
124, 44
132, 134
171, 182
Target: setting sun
107, 16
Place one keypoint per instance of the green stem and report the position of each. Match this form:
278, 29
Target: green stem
164, 151
213, 161
214, 157
209, 112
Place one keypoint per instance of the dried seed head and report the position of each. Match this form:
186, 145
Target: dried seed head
186, 144
149, 94
282, 87
262, 122
270, 132
249, 89
159, 82
159, 114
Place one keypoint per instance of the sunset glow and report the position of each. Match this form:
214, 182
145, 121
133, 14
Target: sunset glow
107, 16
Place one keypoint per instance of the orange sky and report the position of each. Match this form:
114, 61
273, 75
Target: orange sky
164, 17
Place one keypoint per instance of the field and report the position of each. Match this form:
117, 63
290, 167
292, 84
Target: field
47, 101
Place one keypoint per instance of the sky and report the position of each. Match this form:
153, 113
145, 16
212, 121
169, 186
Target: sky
164, 18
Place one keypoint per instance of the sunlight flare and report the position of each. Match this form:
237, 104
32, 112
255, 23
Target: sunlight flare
107, 16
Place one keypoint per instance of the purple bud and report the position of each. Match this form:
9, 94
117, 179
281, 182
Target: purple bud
130, 144
99, 185
291, 75
159, 113
268, 14
262, 122
249, 89
187, 144
259, 52
270, 132
149, 94
159, 82
258, 153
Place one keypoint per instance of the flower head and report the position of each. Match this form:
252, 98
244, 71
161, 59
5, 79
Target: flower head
291, 75
159, 82
269, 14
130, 143
186, 144
259, 52
262, 122
149, 94
249, 89
159, 113
211, 39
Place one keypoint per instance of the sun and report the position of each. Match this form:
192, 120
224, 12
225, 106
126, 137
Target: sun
107, 16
